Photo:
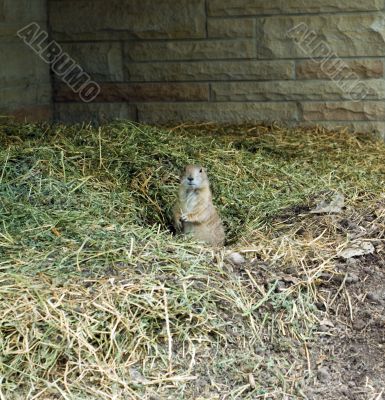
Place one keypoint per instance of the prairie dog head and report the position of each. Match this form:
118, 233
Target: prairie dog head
194, 177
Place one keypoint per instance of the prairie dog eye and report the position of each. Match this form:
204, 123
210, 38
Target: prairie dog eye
201, 170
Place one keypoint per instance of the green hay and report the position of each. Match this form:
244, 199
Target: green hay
99, 299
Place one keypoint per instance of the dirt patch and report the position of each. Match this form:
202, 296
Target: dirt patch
346, 356
349, 354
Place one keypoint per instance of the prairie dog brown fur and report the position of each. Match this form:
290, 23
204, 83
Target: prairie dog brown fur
194, 212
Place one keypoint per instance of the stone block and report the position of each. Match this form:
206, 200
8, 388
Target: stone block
348, 35
161, 113
141, 92
344, 111
363, 68
231, 27
189, 50
103, 61
210, 70
259, 7
124, 19
373, 89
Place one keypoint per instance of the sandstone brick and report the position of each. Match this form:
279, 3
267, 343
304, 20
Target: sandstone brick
347, 35
363, 68
231, 27
218, 112
93, 112
13, 69
189, 50
259, 7
210, 70
295, 90
141, 92
103, 61
122, 19
344, 111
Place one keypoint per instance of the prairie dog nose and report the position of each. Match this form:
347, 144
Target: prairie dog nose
190, 178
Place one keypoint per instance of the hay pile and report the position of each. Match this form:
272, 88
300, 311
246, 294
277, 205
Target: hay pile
100, 301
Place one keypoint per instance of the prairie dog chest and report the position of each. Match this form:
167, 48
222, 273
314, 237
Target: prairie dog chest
190, 202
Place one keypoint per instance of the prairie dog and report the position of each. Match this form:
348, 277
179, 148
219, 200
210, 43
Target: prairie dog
194, 212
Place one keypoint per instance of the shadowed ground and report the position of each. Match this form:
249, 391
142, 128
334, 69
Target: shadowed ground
100, 300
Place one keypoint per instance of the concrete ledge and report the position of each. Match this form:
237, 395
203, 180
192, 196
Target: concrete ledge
141, 92
160, 113
30, 113
95, 113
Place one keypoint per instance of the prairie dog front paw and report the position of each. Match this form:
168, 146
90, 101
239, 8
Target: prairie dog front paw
184, 217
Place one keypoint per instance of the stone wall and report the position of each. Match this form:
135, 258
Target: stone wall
226, 60
25, 84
